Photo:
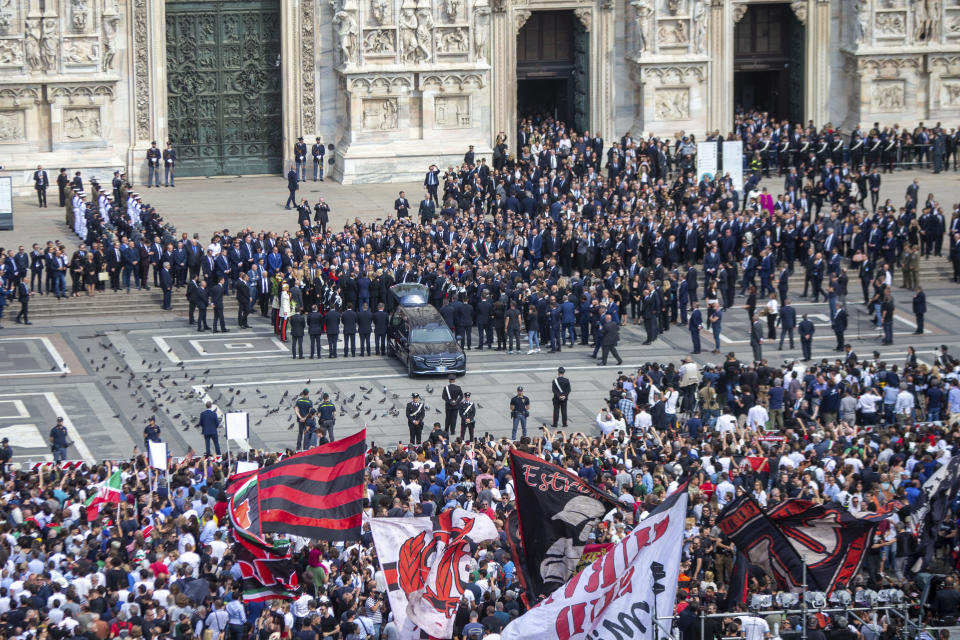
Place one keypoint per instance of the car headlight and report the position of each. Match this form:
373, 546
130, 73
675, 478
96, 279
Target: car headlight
418, 358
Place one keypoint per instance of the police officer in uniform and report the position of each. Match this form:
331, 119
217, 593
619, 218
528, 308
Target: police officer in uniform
58, 441
300, 156
836, 150
468, 416
856, 150
328, 415
873, 149
783, 155
415, 414
169, 165
318, 151
452, 397
763, 149
151, 433
153, 165
561, 395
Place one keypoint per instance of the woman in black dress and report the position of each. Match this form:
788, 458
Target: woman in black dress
90, 274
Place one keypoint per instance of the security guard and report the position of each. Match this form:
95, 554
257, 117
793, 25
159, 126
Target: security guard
452, 397
318, 152
303, 409
300, 156
58, 441
6, 454
468, 416
151, 433
415, 414
561, 395
328, 415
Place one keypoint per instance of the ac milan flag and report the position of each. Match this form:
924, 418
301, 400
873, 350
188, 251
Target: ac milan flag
831, 540
622, 593
314, 494
426, 565
556, 513
268, 571
930, 509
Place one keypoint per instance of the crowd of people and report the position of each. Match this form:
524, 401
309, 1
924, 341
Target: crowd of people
857, 432
564, 231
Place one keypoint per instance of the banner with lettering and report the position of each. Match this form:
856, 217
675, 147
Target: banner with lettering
621, 594
556, 514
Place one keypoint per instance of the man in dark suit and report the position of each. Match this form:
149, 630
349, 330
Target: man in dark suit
166, 285
36, 270
333, 332
298, 325
806, 331
464, 322
452, 396
315, 330
402, 206
202, 301
695, 323
192, 286
349, 321
756, 338
62, 181
216, 300
364, 327
788, 322
23, 293
40, 182
292, 186
919, 308
839, 324
484, 322
611, 336
243, 300
432, 180
380, 322
428, 209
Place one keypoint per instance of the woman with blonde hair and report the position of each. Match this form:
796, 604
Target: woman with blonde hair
284, 315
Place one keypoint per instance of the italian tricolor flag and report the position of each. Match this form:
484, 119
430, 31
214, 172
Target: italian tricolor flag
108, 492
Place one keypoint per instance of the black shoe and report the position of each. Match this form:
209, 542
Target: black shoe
215, 331
225, 331
27, 322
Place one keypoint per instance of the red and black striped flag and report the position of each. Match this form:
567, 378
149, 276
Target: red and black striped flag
314, 494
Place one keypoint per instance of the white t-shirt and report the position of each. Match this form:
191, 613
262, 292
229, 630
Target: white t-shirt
754, 628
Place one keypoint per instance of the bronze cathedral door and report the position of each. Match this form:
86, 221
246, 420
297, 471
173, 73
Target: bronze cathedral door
223, 86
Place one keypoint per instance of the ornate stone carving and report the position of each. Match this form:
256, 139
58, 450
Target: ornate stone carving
425, 33
11, 53
19, 95
451, 112
584, 15
481, 31
458, 82
739, 10
381, 85
79, 15
672, 74
6, 18
889, 95
861, 20
88, 93
81, 51
48, 44
380, 42
140, 69
110, 24
12, 126
951, 94
952, 25
379, 11
672, 104
889, 24
451, 9
521, 16
673, 33
799, 8
642, 11
888, 67
416, 34
308, 63
673, 6
379, 114
926, 20
453, 40
32, 45
345, 23
82, 123
701, 14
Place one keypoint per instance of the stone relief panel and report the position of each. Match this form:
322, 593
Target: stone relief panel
951, 25
672, 34
889, 95
452, 112
380, 42
379, 114
453, 41
81, 52
11, 53
82, 123
891, 24
672, 103
13, 126
950, 93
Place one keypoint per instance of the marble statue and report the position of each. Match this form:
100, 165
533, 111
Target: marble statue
641, 28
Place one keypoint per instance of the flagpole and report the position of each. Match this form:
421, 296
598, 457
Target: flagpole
803, 601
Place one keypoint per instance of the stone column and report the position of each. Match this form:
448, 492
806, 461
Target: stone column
602, 47
148, 102
816, 63
720, 104
503, 89
291, 86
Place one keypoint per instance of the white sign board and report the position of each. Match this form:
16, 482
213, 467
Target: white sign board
733, 162
706, 159
238, 425
243, 466
158, 455
6, 202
